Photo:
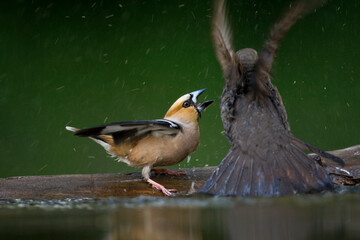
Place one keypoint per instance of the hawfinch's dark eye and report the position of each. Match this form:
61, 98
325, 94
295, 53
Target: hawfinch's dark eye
186, 104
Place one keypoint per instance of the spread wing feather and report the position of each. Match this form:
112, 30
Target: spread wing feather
122, 131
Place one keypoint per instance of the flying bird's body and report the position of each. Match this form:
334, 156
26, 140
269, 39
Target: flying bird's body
264, 159
152, 143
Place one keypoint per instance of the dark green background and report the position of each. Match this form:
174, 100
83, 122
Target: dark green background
88, 63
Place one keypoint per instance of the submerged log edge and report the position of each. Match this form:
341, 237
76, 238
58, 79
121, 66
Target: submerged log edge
132, 185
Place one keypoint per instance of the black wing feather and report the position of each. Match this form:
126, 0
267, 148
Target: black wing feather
122, 131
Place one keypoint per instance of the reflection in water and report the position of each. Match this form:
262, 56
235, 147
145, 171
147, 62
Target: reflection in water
289, 221
332, 216
156, 223
247, 219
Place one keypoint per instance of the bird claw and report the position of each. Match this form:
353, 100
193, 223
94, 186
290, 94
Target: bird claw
168, 171
158, 186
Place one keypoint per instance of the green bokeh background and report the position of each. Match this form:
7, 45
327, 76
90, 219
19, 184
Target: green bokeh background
85, 63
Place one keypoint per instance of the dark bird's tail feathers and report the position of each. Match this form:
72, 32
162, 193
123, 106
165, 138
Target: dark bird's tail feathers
283, 171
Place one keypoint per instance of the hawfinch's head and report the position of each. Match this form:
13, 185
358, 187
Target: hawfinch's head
185, 108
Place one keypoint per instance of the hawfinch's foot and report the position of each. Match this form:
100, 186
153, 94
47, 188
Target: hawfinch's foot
160, 187
168, 171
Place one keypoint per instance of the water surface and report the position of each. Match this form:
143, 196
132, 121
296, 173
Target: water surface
322, 216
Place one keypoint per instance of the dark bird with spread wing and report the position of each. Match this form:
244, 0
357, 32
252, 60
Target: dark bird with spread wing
264, 159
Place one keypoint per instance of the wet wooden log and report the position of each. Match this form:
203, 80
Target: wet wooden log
132, 185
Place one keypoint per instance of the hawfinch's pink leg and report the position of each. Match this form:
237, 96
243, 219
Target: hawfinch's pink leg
160, 187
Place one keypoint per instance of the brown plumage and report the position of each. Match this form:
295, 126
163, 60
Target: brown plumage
265, 159
152, 143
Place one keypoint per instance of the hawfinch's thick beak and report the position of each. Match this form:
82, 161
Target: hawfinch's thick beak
196, 94
201, 106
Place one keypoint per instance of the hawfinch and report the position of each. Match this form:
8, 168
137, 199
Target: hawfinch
151, 143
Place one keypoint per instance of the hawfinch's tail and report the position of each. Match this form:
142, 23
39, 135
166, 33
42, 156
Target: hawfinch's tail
98, 139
